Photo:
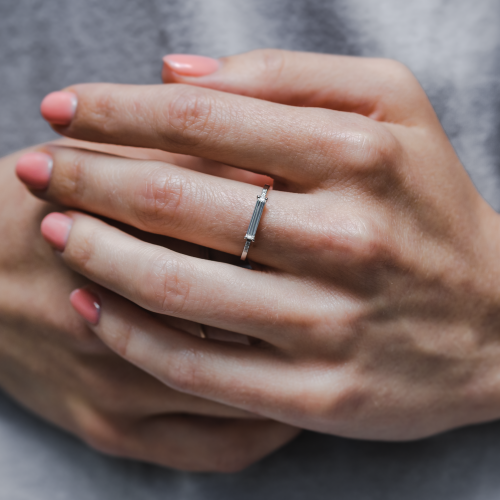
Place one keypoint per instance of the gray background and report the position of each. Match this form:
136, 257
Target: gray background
453, 48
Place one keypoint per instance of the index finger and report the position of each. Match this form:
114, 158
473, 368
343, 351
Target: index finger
291, 144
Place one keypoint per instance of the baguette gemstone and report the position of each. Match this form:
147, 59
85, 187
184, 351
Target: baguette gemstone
254, 221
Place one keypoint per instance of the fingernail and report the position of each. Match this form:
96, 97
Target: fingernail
34, 169
59, 107
86, 304
189, 65
55, 229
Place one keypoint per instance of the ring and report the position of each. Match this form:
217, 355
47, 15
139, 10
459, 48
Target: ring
202, 331
254, 221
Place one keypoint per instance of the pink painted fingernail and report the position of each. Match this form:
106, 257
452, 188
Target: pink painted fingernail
55, 229
34, 169
189, 65
59, 107
86, 304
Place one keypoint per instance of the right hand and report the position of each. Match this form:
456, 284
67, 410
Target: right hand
54, 365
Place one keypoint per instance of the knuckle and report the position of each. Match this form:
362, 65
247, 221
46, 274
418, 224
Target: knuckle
372, 155
160, 198
121, 342
171, 288
349, 403
398, 79
81, 254
358, 151
72, 183
376, 149
350, 239
335, 399
185, 371
101, 108
335, 334
380, 147
384, 174
365, 244
192, 116
272, 62
396, 71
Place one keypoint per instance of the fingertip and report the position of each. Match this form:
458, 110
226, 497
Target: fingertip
55, 229
58, 108
86, 304
34, 169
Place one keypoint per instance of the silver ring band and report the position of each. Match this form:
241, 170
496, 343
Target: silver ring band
254, 221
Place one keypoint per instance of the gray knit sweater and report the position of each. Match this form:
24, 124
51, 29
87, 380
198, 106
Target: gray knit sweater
453, 48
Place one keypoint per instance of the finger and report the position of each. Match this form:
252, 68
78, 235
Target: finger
164, 199
253, 378
163, 281
115, 387
190, 162
206, 444
185, 442
225, 128
381, 89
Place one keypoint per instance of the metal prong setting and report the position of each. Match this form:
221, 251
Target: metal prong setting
254, 221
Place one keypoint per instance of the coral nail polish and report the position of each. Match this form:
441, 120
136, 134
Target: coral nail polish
86, 304
55, 229
34, 169
189, 65
59, 108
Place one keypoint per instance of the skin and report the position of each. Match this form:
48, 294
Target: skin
374, 292
54, 365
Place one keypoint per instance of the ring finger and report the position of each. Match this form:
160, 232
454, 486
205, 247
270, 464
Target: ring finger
166, 199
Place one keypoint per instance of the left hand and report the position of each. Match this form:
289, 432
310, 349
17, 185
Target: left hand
376, 286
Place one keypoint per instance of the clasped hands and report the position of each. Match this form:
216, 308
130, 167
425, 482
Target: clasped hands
373, 298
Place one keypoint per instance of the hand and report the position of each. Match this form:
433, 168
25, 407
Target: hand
53, 364
375, 291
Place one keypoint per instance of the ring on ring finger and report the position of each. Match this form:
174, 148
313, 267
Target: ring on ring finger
254, 221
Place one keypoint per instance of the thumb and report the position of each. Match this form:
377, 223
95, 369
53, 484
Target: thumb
382, 89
